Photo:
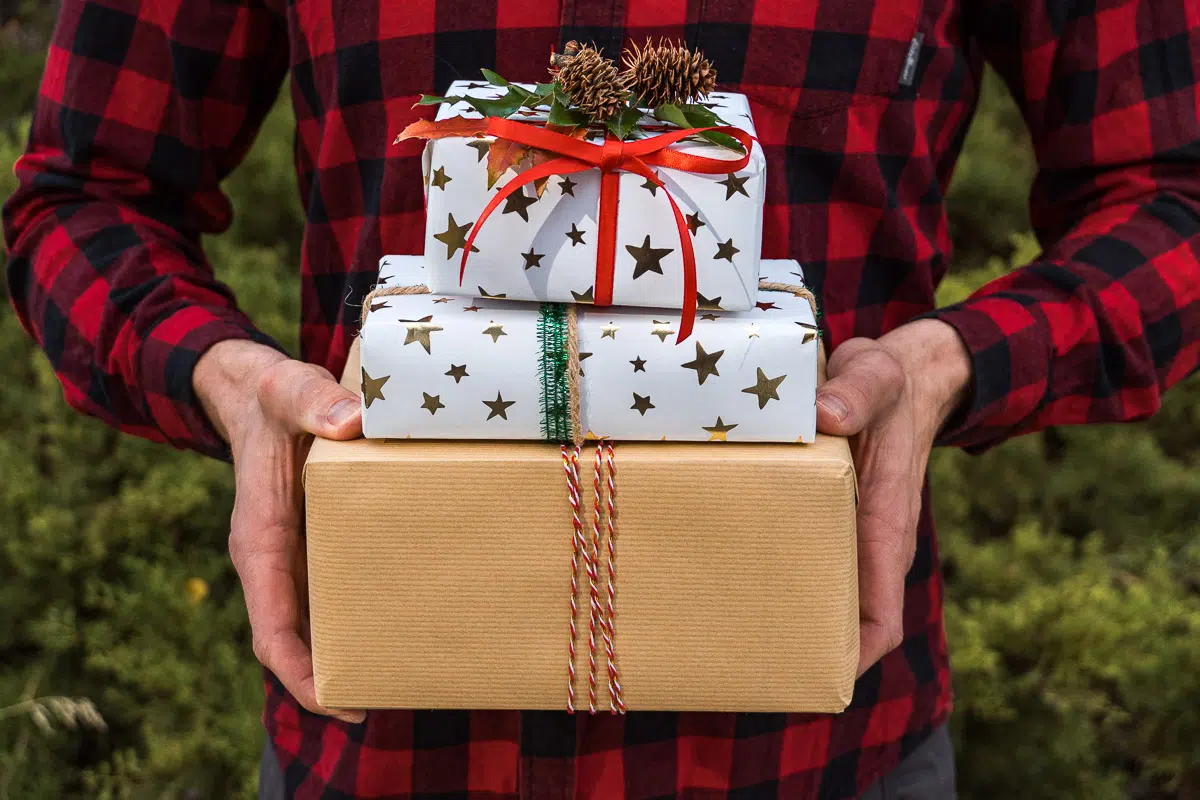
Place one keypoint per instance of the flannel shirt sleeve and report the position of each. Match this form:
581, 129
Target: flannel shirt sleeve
143, 109
1108, 317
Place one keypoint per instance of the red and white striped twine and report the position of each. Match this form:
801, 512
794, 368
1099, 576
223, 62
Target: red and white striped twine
570, 466
597, 613
599, 616
615, 698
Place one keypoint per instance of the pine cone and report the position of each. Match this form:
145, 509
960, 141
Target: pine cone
569, 51
592, 80
668, 73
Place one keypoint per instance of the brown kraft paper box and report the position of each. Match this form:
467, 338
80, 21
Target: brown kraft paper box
439, 575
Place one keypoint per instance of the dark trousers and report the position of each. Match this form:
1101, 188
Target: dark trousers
927, 774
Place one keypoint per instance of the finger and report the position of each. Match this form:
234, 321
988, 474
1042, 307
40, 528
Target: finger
309, 400
865, 379
882, 565
272, 602
264, 544
889, 504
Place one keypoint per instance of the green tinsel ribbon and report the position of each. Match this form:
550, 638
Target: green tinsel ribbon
552, 369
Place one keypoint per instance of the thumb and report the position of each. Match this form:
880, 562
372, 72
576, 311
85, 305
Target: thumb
865, 379
307, 399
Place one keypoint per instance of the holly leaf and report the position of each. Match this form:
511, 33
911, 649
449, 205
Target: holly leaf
493, 78
502, 155
624, 123
702, 116
434, 100
524, 93
724, 140
675, 115
560, 114
443, 129
542, 95
502, 107
669, 112
537, 101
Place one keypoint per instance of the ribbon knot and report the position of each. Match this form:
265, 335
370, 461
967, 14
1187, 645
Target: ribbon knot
611, 158
612, 154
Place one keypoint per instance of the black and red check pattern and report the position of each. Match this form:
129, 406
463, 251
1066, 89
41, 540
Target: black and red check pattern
145, 107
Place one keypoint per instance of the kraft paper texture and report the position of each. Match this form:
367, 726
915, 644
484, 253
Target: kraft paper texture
439, 575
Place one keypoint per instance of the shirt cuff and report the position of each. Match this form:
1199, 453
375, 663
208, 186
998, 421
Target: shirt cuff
1011, 357
168, 358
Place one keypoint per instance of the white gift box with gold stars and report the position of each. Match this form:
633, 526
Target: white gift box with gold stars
436, 366
544, 248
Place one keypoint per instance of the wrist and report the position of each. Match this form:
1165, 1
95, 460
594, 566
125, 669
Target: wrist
936, 363
225, 381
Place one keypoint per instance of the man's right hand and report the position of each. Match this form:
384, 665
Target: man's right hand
268, 407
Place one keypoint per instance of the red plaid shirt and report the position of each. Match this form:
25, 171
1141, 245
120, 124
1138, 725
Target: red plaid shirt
861, 105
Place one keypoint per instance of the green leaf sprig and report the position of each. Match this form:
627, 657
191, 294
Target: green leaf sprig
556, 102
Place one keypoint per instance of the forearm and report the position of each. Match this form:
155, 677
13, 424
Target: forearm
123, 309
104, 229
1108, 318
1094, 331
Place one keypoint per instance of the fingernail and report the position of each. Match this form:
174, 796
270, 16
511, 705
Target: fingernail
834, 405
342, 412
351, 717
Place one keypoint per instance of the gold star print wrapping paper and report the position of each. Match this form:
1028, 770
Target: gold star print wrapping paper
544, 248
755, 371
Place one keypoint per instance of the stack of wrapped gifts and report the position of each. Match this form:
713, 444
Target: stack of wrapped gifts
590, 478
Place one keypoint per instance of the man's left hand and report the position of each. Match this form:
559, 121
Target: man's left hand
890, 396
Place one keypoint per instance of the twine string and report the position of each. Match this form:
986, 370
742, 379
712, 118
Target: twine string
615, 698
573, 372
570, 466
596, 618
388, 291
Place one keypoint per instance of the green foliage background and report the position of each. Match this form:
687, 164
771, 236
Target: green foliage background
1072, 557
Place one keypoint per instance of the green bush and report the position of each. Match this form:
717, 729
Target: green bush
1072, 557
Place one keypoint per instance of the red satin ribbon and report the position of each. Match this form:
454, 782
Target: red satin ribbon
613, 157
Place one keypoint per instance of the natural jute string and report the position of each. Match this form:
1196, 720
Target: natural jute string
573, 373
799, 291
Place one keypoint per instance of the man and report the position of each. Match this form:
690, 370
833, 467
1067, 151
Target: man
861, 106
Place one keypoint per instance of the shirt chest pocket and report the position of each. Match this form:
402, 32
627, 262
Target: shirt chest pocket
828, 52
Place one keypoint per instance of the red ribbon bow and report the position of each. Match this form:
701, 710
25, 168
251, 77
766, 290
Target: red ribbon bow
613, 157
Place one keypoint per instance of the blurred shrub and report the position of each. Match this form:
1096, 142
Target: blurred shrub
1073, 568
114, 582
1072, 558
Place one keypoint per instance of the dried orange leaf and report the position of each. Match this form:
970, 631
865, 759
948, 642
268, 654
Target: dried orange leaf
442, 129
502, 155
